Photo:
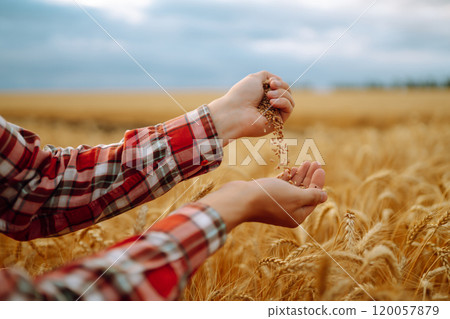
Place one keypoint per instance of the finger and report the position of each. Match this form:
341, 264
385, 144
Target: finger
278, 83
284, 106
266, 75
318, 179
263, 75
299, 176
311, 170
280, 93
285, 176
273, 77
312, 197
293, 171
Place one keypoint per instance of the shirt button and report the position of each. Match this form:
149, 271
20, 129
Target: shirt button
204, 162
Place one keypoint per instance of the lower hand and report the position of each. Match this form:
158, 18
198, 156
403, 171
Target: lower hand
271, 200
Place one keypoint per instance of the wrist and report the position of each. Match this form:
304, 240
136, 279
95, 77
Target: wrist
224, 119
232, 202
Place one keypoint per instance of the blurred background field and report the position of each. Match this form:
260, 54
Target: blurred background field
376, 107
386, 221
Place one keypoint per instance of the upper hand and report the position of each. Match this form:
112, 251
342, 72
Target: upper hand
236, 115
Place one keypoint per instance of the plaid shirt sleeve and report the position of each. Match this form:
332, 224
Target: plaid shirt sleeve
153, 266
53, 191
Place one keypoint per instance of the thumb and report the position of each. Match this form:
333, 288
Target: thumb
263, 75
313, 196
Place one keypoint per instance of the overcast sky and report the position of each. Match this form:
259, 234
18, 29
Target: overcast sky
54, 45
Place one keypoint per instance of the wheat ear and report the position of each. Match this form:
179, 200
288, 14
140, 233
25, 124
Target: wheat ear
349, 236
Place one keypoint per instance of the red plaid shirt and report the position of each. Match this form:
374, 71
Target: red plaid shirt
55, 191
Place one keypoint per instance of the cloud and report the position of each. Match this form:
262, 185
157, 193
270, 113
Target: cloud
130, 11
52, 44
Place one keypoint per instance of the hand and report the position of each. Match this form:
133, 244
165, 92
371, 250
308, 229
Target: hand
235, 114
271, 200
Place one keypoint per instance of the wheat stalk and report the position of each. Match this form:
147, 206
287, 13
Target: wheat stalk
329, 206
18, 251
345, 255
141, 220
242, 297
349, 231
369, 238
205, 190
442, 254
322, 276
379, 253
36, 249
283, 242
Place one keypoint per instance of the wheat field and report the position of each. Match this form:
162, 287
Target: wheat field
383, 234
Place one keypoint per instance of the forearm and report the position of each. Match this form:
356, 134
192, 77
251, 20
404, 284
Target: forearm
154, 266
55, 191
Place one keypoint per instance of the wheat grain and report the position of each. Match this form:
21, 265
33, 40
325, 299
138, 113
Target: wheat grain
300, 263
435, 272
271, 261
300, 250
444, 219
417, 229
442, 254
274, 119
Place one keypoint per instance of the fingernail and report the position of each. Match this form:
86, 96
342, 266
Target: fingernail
272, 93
276, 83
323, 196
273, 101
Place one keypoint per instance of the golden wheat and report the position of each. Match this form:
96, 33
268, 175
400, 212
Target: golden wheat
388, 168
349, 231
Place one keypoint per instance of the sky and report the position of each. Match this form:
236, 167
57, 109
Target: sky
53, 45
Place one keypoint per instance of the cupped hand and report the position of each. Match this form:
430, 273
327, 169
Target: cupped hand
272, 201
297, 199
